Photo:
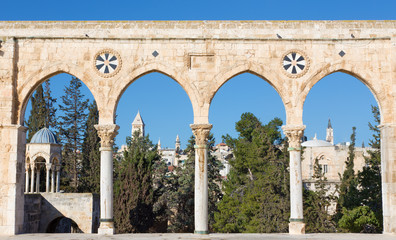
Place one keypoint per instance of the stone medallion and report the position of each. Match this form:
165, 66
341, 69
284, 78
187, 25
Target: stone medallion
107, 63
295, 63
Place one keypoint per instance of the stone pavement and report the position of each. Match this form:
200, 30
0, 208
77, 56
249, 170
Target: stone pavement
217, 236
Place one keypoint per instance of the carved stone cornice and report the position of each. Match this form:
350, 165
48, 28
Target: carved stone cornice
294, 133
107, 133
201, 133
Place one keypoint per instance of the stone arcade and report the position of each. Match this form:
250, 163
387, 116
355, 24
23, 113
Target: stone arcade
201, 56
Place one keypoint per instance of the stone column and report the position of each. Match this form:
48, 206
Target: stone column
32, 166
58, 178
47, 177
106, 134
53, 167
38, 178
27, 168
12, 169
201, 133
294, 133
388, 175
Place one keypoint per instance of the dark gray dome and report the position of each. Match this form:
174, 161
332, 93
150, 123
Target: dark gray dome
44, 136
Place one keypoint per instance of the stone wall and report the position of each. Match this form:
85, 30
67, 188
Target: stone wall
32, 217
44, 208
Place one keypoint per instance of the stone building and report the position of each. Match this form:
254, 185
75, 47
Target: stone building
331, 160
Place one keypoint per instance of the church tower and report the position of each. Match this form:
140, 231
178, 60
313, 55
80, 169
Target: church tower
329, 133
138, 125
177, 144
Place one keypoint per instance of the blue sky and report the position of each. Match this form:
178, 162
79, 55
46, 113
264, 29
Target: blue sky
166, 108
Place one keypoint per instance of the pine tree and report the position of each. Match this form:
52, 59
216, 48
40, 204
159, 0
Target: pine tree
256, 193
72, 122
134, 195
90, 171
181, 190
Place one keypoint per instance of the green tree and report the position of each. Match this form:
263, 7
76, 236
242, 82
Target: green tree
180, 193
256, 193
43, 110
90, 171
134, 192
72, 121
50, 109
359, 219
348, 189
316, 204
370, 193
36, 119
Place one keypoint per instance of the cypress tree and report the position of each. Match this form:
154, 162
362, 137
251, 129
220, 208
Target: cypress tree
316, 204
43, 112
90, 171
50, 110
134, 195
74, 116
348, 191
36, 119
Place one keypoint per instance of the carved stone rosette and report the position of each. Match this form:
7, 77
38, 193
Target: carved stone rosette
107, 134
294, 133
201, 133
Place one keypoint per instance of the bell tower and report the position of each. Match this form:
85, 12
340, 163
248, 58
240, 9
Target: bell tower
138, 125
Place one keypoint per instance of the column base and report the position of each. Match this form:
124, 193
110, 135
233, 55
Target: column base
201, 232
106, 228
296, 228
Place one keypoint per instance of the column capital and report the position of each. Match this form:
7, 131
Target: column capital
15, 126
294, 133
32, 165
107, 133
201, 133
48, 166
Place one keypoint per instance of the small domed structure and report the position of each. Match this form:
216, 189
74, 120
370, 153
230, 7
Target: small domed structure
44, 136
43, 153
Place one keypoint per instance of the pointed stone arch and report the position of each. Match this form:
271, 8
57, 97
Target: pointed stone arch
28, 87
255, 69
367, 78
134, 74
